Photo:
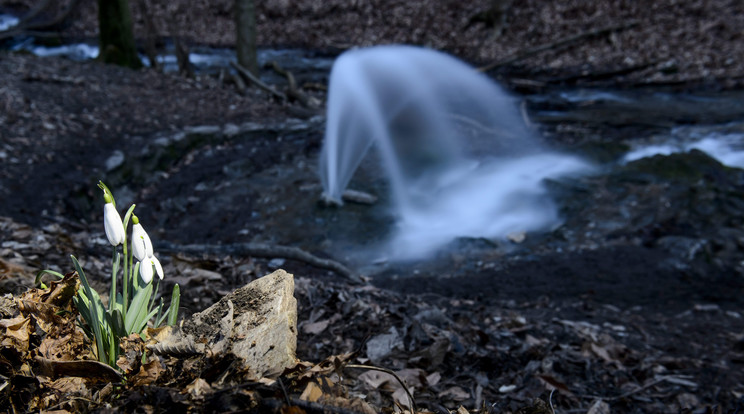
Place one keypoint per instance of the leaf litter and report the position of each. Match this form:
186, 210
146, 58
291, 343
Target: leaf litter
374, 347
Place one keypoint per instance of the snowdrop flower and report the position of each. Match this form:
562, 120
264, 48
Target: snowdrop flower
146, 272
141, 244
112, 222
149, 267
158, 267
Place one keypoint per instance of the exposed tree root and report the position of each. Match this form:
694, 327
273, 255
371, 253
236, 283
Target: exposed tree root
258, 82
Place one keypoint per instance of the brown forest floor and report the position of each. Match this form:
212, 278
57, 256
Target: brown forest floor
657, 41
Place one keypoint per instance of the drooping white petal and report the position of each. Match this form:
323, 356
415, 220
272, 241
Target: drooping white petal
112, 225
141, 244
146, 272
158, 266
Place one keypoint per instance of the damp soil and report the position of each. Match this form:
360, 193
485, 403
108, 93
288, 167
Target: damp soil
643, 282
649, 254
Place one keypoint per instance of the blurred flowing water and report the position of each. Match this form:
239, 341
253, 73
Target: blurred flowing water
458, 156
204, 60
722, 142
7, 21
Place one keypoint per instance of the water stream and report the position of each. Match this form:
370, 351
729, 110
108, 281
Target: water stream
204, 60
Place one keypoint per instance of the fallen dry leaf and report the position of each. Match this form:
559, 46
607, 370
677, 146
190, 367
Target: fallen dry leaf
71, 385
92, 370
553, 383
433, 379
16, 333
454, 393
10, 269
377, 379
599, 407
198, 388
148, 372
60, 292
67, 347
312, 392
315, 327
132, 348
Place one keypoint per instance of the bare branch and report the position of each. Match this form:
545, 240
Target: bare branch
560, 43
264, 250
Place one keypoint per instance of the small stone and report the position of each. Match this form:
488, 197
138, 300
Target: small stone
276, 263
517, 237
204, 130
359, 197
706, 307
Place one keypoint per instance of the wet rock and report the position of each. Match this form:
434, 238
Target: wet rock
602, 151
114, 161
359, 197
686, 167
204, 130
276, 263
257, 324
683, 248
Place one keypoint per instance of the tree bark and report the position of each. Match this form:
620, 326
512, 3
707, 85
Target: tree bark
245, 30
116, 37
151, 34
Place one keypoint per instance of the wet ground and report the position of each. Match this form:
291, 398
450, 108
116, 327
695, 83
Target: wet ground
650, 240
231, 182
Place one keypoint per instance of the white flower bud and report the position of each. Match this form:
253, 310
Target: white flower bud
141, 244
113, 225
158, 266
146, 271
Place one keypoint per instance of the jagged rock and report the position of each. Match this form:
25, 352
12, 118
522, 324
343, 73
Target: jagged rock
256, 323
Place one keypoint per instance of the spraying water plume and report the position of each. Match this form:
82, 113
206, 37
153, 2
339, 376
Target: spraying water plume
460, 159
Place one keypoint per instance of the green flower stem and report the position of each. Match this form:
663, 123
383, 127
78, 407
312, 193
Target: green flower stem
114, 271
127, 279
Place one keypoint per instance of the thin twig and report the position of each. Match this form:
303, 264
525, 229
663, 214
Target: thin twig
292, 90
284, 391
387, 371
264, 250
35, 29
659, 380
525, 53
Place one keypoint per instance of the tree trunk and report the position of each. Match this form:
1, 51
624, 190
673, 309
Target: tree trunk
245, 30
116, 37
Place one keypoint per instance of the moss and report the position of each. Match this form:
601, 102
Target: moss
688, 167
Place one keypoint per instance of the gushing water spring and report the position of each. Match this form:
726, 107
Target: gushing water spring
460, 160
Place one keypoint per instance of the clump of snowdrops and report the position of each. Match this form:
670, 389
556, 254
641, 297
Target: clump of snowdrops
130, 310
